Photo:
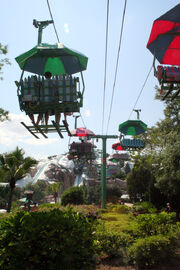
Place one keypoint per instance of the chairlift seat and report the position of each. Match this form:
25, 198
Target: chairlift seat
42, 94
132, 143
166, 74
83, 147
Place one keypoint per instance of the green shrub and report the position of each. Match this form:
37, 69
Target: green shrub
73, 195
121, 209
150, 251
53, 240
144, 207
152, 224
112, 243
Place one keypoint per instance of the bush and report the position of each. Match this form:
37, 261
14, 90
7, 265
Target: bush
73, 195
93, 193
112, 243
150, 251
152, 224
47, 240
121, 209
144, 207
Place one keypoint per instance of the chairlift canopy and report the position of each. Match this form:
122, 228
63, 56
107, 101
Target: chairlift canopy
54, 58
132, 127
164, 40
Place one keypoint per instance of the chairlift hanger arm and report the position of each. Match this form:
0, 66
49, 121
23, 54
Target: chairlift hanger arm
41, 25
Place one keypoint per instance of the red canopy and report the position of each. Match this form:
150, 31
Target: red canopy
164, 40
117, 146
82, 132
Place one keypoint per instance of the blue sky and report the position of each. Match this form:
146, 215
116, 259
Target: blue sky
81, 25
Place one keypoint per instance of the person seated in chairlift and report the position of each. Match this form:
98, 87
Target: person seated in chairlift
48, 75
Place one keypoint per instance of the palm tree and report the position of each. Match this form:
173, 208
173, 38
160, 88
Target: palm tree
14, 167
55, 189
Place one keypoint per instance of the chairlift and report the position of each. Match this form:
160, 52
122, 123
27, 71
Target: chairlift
164, 44
52, 89
132, 128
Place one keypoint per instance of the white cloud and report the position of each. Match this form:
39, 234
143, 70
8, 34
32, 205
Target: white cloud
12, 132
88, 113
39, 156
66, 28
42, 141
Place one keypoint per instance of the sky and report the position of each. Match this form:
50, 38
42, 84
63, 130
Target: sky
81, 25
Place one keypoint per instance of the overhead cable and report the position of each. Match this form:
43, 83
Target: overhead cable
141, 90
105, 66
53, 21
117, 62
82, 120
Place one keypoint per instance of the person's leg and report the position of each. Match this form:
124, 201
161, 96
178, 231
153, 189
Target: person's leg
46, 118
58, 118
31, 116
40, 116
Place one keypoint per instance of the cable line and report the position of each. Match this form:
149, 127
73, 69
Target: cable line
117, 62
141, 90
82, 120
53, 21
105, 66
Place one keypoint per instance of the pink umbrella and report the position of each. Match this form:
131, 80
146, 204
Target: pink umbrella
82, 132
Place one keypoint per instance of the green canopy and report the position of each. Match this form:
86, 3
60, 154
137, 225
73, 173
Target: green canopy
132, 127
54, 58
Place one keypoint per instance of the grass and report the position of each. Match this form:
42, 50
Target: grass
115, 219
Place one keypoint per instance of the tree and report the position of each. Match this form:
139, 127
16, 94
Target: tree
73, 195
3, 51
168, 172
14, 166
141, 181
55, 189
39, 189
168, 159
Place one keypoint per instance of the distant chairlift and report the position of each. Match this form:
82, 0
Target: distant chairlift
164, 44
82, 150
52, 90
133, 128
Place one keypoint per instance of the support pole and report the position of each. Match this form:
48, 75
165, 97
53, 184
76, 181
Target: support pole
103, 173
103, 165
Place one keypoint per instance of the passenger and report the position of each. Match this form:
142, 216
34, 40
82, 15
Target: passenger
47, 75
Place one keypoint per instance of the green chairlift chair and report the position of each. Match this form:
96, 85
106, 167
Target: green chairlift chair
133, 128
52, 89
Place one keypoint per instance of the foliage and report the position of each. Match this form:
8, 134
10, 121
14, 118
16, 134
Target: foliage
168, 176
90, 211
141, 182
3, 51
144, 207
149, 251
39, 189
143, 241
4, 194
73, 195
14, 167
56, 239
93, 193
119, 174
111, 242
55, 190
120, 208
153, 224
113, 193
115, 221
3, 115
164, 145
